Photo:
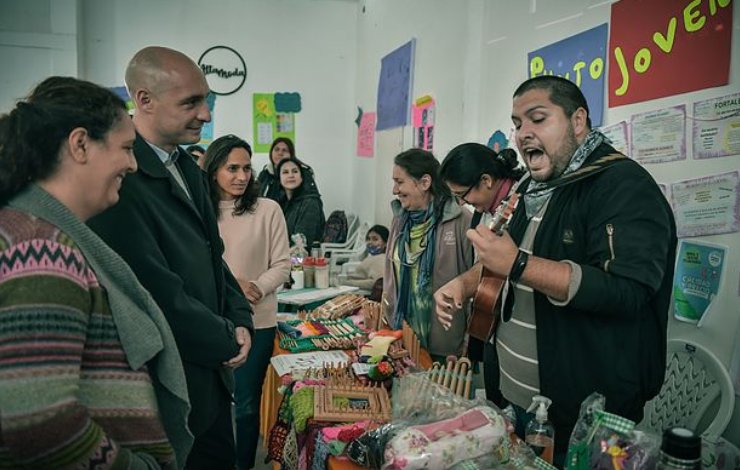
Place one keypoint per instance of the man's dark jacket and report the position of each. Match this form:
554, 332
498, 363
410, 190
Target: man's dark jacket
611, 337
173, 246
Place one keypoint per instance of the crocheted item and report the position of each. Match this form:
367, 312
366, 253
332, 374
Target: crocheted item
381, 371
280, 430
276, 441
301, 405
290, 452
320, 454
347, 435
337, 447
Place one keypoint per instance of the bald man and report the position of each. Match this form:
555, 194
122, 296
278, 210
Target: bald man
165, 228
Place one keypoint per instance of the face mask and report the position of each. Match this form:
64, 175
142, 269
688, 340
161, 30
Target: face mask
373, 250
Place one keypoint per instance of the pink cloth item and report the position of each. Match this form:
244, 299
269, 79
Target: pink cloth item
442, 444
332, 433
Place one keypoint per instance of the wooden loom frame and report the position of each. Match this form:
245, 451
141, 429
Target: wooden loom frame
324, 408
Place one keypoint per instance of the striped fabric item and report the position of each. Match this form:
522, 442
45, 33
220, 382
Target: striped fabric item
68, 397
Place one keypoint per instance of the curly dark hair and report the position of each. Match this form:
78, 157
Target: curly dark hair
32, 133
216, 156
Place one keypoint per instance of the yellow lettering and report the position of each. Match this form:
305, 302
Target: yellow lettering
596, 68
536, 66
713, 5
693, 20
577, 69
642, 60
619, 57
666, 43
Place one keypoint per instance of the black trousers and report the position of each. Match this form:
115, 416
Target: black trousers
248, 393
491, 379
214, 448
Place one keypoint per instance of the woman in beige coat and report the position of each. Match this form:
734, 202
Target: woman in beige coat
256, 250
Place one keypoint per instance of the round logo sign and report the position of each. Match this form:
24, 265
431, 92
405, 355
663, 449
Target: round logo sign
224, 69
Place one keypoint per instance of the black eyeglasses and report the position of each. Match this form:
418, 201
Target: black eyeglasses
461, 197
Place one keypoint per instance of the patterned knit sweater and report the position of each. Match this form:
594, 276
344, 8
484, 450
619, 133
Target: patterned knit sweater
68, 398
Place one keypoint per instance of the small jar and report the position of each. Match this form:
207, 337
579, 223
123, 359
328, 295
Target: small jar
297, 276
316, 250
680, 450
322, 273
309, 265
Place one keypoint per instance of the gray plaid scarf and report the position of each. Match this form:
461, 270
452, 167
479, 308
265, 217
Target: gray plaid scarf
539, 192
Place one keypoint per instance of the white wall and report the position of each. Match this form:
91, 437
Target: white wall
516, 30
288, 45
470, 56
38, 38
441, 32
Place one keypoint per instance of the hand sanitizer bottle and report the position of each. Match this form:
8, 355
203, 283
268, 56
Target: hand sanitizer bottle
540, 433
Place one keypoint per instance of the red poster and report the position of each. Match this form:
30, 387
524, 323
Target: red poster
665, 47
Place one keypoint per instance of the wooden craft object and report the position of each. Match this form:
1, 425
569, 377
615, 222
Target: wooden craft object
410, 342
372, 314
366, 403
339, 307
456, 376
341, 334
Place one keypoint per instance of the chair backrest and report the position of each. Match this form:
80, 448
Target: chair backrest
352, 226
695, 379
336, 228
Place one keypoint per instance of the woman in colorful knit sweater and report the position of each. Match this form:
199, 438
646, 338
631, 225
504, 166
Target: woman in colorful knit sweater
90, 376
256, 249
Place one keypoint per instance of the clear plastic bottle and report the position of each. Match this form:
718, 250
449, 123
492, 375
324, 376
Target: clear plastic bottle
309, 268
316, 250
680, 450
297, 275
540, 433
322, 273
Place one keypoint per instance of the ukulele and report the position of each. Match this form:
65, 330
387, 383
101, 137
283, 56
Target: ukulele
482, 320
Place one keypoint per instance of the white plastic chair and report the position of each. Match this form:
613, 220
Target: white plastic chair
352, 226
351, 252
695, 379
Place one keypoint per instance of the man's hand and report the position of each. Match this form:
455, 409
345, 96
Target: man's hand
244, 340
497, 253
251, 291
448, 300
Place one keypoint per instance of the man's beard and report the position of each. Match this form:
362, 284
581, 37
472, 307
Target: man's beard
564, 154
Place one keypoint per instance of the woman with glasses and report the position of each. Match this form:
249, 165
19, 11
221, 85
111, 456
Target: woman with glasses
427, 247
256, 250
478, 176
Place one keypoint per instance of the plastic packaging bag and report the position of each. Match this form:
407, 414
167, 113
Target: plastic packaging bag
605, 441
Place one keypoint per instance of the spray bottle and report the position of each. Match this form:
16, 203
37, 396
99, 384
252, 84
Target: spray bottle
540, 433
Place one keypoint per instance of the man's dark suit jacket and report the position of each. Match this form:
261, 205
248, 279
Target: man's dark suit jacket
173, 246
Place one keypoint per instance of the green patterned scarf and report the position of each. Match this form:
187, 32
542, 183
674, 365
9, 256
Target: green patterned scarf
415, 250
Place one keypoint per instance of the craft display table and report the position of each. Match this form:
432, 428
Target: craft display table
271, 398
298, 298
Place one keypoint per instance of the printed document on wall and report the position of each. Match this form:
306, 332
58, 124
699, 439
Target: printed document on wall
659, 136
708, 205
717, 127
